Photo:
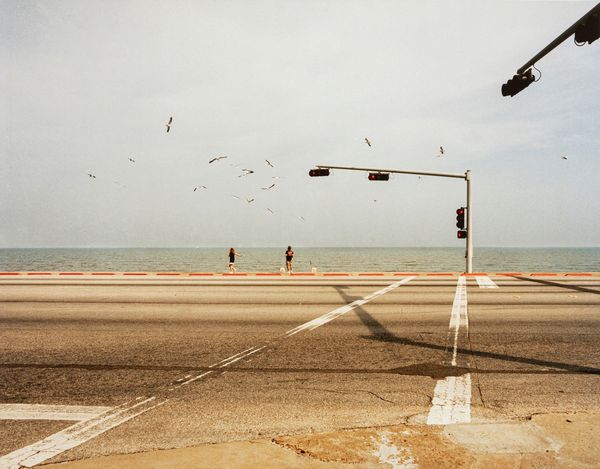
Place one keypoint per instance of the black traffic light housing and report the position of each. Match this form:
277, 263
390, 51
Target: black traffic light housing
460, 223
589, 30
379, 176
517, 83
318, 172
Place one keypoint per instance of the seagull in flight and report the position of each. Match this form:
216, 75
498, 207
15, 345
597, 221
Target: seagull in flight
198, 187
249, 200
169, 124
132, 160
91, 175
367, 141
216, 159
267, 188
441, 150
301, 217
564, 157
269, 210
270, 164
246, 173
235, 197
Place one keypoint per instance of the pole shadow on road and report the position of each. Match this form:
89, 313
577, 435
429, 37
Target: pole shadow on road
380, 333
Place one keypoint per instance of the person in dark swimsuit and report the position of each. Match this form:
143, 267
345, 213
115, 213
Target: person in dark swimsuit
289, 256
232, 255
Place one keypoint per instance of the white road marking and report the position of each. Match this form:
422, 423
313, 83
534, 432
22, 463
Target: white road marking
390, 454
75, 435
81, 432
49, 412
451, 401
485, 282
317, 322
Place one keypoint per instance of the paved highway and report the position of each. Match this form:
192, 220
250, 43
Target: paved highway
127, 365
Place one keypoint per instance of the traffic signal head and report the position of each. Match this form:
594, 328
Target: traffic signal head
318, 172
460, 218
462, 234
379, 176
589, 30
517, 83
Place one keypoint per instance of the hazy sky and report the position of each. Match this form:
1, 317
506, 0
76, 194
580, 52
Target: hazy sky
86, 85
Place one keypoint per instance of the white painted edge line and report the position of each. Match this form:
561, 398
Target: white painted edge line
451, 401
485, 282
75, 435
325, 318
49, 412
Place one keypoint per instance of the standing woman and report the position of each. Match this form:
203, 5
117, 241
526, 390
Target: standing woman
289, 256
232, 255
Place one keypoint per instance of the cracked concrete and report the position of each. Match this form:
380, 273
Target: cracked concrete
569, 440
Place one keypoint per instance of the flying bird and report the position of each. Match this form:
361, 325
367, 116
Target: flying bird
132, 160
301, 217
267, 188
246, 173
564, 157
367, 141
270, 164
91, 175
168, 124
249, 200
198, 187
442, 150
216, 159
269, 210
235, 197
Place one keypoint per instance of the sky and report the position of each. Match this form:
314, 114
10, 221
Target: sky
84, 86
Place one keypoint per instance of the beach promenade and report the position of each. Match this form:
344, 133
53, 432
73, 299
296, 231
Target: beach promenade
337, 369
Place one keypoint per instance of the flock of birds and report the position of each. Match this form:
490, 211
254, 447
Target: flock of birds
247, 172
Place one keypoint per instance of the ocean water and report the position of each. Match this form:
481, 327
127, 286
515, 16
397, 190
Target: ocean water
324, 259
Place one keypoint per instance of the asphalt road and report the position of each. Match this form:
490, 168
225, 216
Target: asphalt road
529, 346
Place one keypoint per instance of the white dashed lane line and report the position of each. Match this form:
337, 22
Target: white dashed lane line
485, 282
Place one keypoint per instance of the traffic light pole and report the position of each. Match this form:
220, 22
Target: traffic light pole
466, 176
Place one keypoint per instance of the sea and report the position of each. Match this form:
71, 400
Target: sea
323, 259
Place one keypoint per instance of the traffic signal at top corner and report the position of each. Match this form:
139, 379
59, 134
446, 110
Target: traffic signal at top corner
318, 172
517, 83
379, 176
588, 30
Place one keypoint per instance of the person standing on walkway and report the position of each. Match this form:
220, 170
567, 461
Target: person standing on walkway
232, 255
289, 256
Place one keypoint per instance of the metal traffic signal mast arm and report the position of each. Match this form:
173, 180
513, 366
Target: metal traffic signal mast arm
466, 176
586, 29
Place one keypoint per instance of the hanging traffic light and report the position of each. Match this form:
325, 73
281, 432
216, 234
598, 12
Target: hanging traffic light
589, 30
318, 172
517, 83
379, 176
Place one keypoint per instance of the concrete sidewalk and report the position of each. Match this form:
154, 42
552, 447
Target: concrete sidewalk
548, 440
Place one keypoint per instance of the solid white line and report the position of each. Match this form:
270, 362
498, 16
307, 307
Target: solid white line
485, 282
49, 412
324, 319
451, 401
75, 435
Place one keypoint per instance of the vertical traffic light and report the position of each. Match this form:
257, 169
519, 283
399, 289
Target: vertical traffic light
460, 223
